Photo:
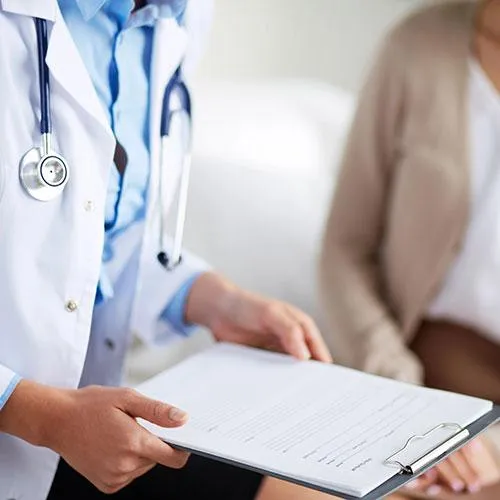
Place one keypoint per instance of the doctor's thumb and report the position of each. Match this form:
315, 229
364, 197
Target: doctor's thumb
156, 412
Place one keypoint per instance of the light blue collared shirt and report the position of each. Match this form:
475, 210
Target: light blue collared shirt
115, 46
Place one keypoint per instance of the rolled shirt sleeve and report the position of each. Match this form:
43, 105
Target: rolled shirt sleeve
175, 311
8, 382
158, 311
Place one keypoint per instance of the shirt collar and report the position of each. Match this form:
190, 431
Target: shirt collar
162, 8
170, 8
89, 8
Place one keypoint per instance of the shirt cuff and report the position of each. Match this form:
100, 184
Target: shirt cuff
175, 311
7, 393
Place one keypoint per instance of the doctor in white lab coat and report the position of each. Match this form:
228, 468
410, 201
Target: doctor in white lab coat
50, 266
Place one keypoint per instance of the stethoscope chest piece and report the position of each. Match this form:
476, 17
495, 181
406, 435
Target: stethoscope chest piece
44, 176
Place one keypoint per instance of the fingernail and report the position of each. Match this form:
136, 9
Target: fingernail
306, 353
457, 486
434, 490
177, 415
474, 488
476, 445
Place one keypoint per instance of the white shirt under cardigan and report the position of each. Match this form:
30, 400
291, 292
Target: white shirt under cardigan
471, 291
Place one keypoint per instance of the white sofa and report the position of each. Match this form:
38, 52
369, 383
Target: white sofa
265, 161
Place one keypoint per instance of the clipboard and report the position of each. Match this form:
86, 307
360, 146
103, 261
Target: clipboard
437, 452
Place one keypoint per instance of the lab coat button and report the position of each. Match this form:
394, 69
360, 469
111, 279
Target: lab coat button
89, 206
71, 306
109, 344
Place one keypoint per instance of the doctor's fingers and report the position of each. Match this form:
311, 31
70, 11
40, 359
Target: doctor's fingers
299, 334
140, 471
123, 481
123, 472
138, 406
159, 452
287, 330
314, 339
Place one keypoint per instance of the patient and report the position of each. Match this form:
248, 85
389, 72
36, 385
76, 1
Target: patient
411, 261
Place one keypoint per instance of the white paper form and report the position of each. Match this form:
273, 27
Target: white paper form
323, 424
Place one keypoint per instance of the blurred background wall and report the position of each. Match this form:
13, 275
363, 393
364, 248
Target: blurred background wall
328, 40
274, 97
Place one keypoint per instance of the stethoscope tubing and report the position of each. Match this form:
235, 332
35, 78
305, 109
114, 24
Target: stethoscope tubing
43, 76
176, 102
182, 93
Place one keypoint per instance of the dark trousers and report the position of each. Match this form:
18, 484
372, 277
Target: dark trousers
200, 479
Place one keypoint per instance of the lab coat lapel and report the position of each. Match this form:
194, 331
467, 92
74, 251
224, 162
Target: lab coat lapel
68, 69
169, 47
44, 9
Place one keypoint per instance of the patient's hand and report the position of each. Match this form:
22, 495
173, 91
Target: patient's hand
468, 470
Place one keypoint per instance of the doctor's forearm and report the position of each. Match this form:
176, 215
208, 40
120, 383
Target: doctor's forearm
210, 294
30, 412
94, 429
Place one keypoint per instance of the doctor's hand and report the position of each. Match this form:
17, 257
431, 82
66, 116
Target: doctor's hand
235, 315
94, 430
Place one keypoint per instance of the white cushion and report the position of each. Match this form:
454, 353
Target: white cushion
266, 156
265, 161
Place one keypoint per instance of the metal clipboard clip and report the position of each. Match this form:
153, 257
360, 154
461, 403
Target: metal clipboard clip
422, 450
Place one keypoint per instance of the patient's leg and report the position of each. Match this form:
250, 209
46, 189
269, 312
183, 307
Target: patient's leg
491, 493
455, 359
458, 359
274, 489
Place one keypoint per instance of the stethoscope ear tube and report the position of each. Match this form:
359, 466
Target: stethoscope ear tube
43, 76
174, 259
176, 98
176, 114
182, 210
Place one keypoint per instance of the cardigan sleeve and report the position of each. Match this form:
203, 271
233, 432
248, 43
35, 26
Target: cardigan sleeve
363, 332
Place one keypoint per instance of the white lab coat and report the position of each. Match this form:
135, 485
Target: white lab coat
50, 253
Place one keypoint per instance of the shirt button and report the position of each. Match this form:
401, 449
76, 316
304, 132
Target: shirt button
89, 206
71, 306
109, 344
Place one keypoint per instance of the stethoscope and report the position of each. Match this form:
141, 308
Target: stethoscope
45, 173
176, 115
